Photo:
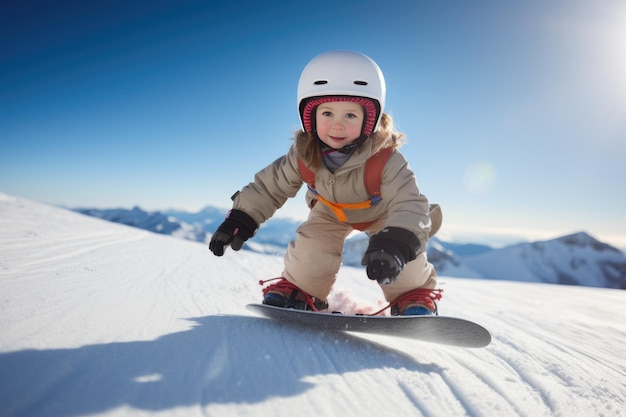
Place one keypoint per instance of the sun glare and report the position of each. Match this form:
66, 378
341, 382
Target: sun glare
617, 30
595, 80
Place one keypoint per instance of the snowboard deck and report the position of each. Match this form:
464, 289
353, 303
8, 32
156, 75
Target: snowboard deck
435, 329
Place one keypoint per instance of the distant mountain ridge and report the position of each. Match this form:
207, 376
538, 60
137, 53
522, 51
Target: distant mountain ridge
576, 259
156, 222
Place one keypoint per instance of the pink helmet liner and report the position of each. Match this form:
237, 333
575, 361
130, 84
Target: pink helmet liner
371, 110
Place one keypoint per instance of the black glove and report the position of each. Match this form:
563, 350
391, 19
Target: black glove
234, 231
388, 252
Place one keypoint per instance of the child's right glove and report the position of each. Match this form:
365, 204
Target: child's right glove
234, 231
388, 252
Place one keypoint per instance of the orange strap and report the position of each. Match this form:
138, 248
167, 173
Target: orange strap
338, 208
373, 177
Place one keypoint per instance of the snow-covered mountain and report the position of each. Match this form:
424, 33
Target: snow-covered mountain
450, 263
156, 222
102, 319
577, 259
272, 237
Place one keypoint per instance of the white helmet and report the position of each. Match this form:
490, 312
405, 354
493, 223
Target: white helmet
342, 76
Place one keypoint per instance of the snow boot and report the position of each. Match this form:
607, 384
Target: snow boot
417, 302
287, 295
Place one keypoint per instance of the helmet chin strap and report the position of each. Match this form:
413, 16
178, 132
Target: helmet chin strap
346, 149
358, 142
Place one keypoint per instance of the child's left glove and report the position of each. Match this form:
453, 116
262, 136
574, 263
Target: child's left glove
387, 253
234, 231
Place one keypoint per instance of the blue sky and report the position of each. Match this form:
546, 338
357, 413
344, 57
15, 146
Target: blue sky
515, 112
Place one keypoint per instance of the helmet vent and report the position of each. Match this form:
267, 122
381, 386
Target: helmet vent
320, 82
360, 82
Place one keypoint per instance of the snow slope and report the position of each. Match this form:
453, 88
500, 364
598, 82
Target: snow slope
103, 319
575, 259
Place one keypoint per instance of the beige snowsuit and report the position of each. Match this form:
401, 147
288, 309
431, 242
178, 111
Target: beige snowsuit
314, 257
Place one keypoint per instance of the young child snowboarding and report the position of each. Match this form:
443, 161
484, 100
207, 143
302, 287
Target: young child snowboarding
341, 101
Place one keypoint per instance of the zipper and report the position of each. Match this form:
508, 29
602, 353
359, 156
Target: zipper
331, 184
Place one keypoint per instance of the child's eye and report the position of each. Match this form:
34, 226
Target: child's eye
351, 115
326, 113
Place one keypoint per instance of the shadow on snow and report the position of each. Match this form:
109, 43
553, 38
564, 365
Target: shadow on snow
222, 359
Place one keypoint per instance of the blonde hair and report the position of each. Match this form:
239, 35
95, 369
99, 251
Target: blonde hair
311, 150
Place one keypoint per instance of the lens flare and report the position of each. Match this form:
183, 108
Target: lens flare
480, 178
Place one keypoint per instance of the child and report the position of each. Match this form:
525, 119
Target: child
341, 100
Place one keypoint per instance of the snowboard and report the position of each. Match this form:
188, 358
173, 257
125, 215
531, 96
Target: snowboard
435, 329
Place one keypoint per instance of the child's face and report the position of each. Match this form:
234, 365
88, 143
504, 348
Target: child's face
339, 123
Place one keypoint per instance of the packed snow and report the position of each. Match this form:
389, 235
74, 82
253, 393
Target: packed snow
98, 318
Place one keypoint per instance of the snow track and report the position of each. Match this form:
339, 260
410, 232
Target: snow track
103, 319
